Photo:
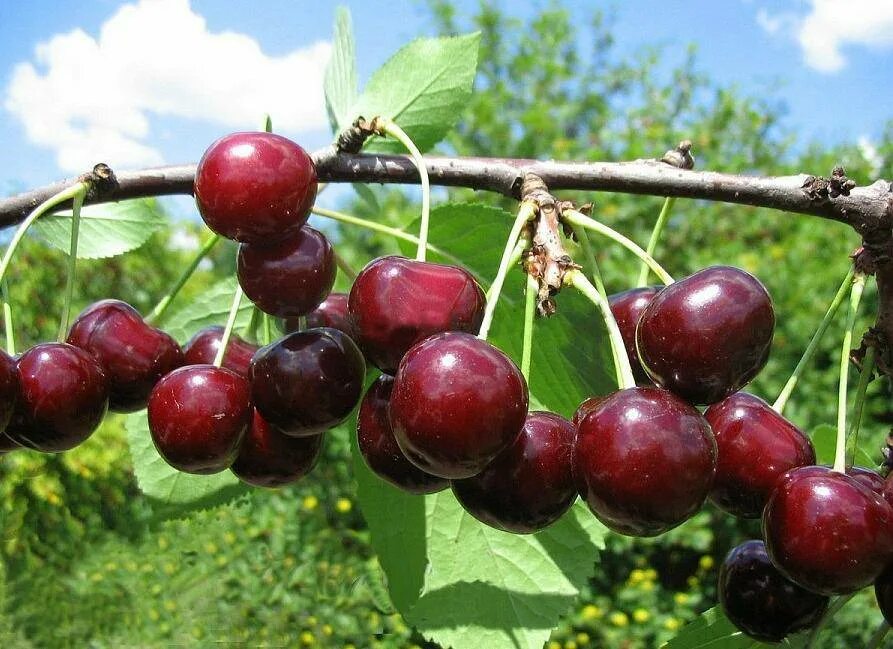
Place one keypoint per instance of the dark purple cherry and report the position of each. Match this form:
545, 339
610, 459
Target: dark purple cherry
627, 307
457, 403
883, 592
289, 278
269, 458
332, 312
309, 381
63, 398
379, 448
9, 391
707, 335
584, 409
644, 461
198, 417
255, 187
133, 354
761, 601
755, 446
530, 484
202, 350
827, 531
396, 302
7, 444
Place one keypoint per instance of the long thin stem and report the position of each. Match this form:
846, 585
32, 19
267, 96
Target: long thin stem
576, 218
156, 315
345, 267
855, 297
861, 388
7, 320
530, 292
878, 636
230, 323
788, 388
832, 610
591, 261
522, 245
662, 219
76, 205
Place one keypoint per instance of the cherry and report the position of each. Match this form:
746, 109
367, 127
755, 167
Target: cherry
457, 402
585, 408
308, 381
198, 416
379, 448
255, 187
9, 391
883, 593
755, 446
707, 335
332, 312
202, 350
63, 398
269, 458
627, 307
289, 278
760, 601
7, 444
827, 531
396, 302
529, 485
644, 461
133, 354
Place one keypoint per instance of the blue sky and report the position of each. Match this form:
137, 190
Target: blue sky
144, 82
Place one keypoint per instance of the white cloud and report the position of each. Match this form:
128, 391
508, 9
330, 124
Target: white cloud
871, 154
91, 99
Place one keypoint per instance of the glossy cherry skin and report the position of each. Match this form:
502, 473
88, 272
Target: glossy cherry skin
63, 398
755, 446
379, 448
761, 601
9, 391
133, 354
584, 409
202, 350
255, 187
530, 484
627, 307
307, 382
883, 592
198, 417
289, 278
707, 335
457, 403
396, 302
332, 312
644, 461
270, 458
827, 531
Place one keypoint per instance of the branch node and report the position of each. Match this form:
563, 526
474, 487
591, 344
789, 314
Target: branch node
820, 189
680, 156
352, 139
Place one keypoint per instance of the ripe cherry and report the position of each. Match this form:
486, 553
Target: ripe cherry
198, 417
883, 592
707, 335
269, 458
9, 391
379, 448
7, 444
457, 402
396, 302
644, 461
289, 278
255, 187
332, 312
761, 601
308, 381
202, 350
627, 307
584, 409
755, 446
133, 354
530, 484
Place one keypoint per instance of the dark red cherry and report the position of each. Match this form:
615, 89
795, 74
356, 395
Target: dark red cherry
883, 592
289, 278
457, 403
584, 409
7, 444
396, 302
868, 477
530, 484
627, 307
755, 446
707, 335
379, 448
332, 312
198, 417
644, 461
269, 458
133, 354
827, 531
307, 382
63, 398
9, 391
761, 601
202, 350
255, 187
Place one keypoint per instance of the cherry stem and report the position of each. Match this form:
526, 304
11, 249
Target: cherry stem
624, 371
530, 293
586, 244
230, 323
878, 636
157, 314
832, 610
389, 127
576, 218
861, 388
662, 219
855, 297
813, 345
522, 245
526, 212
345, 267
7, 320
76, 206
268, 123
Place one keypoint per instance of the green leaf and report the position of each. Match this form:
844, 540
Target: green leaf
824, 439
210, 308
106, 230
340, 82
714, 630
423, 88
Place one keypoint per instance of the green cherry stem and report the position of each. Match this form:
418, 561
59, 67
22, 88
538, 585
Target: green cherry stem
530, 292
878, 636
589, 253
7, 320
855, 298
267, 125
861, 388
662, 219
157, 314
230, 323
788, 388
65, 320
345, 267
522, 245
